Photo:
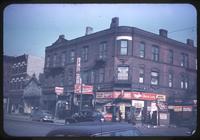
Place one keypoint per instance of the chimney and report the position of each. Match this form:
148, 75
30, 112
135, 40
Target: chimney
190, 42
163, 32
61, 36
115, 22
89, 30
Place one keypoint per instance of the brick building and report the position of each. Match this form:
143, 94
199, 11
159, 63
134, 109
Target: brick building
22, 69
127, 67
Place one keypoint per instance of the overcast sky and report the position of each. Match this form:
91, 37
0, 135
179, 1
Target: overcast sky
29, 28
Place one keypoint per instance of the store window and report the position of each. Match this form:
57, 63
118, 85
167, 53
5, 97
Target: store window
155, 53
103, 50
123, 47
142, 49
154, 78
122, 72
141, 75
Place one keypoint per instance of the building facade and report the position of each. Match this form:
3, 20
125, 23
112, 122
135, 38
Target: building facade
7, 69
23, 67
127, 67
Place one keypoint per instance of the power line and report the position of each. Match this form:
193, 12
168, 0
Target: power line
183, 29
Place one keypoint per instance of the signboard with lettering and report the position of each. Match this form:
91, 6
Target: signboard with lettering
161, 97
178, 108
59, 90
187, 108
86, 89
137, 103
163, 116
78, 68
101, 95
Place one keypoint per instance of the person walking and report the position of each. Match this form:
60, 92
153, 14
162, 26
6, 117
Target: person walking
120, 116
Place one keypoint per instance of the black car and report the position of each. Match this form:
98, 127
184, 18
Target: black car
84, 116
41, 115
96, 130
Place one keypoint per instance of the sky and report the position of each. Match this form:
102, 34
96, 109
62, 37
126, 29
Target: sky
29, 28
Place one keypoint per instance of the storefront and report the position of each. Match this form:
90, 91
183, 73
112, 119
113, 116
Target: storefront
143, 105
182, 110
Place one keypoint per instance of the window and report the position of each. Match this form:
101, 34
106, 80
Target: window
170, 78
102, 50
70, 76
92, 76
184, 82
122, 73
184, 60
141, 75
123, 47
85, 53
142, 50
101, 75
170, 57
85, 77
154, 78
54, 60
63, 59
155, 53
48, 61
72, 56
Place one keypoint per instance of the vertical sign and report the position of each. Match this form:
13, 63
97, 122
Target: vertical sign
78, 68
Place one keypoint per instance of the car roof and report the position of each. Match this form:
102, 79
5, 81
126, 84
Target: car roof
91, 129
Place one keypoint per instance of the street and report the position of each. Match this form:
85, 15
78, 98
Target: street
25, 127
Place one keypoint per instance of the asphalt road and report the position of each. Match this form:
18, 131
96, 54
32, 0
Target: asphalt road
28, 128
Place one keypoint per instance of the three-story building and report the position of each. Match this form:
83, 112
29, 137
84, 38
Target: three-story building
127, 67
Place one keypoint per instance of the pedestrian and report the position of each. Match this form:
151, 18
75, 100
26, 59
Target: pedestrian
120, 116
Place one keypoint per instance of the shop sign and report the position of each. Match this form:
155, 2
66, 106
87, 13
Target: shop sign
162, 106
161, 98
148, 96
153, 106
178, 108
117, 94
101, 95
59, 90
137, 104
163, 116
127, 95
187, 108
170, 107
86, 89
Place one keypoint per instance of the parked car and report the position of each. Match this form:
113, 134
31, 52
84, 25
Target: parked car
97, 130
84, 116
41, 115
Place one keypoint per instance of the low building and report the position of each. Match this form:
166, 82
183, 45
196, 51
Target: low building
23, 68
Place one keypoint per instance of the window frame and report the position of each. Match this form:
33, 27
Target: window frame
141, 75
155, 77
155, 53
121, 47
103, 50
142, 50
128, 74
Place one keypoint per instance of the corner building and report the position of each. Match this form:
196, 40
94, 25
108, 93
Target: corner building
127, 67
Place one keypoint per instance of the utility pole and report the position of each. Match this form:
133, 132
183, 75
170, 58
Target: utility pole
81, 98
